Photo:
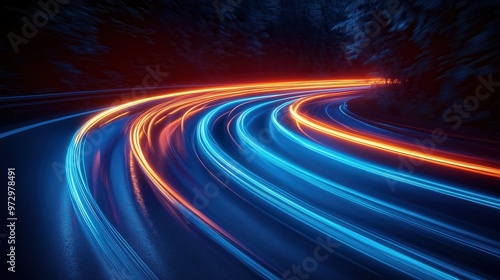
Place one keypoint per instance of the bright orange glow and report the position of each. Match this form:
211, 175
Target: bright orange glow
173, 116
385, 144
179, 107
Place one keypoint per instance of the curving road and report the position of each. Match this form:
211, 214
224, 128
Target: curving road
270, 180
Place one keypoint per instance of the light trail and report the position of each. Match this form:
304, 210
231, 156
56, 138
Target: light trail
384, 144
180, 140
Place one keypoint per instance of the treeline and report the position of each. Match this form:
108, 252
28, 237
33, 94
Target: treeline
435, 50
440, 52
108, 44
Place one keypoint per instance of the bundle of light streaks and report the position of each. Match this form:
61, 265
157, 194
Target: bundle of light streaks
385, 144
185, 139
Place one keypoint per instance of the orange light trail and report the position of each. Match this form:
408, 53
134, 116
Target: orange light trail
172, 136
384, 144
177, 108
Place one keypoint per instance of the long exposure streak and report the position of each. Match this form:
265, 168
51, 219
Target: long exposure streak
260, 150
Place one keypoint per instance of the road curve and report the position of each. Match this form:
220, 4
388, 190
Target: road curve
284, 180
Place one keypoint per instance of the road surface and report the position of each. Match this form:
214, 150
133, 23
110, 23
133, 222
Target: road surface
271, 180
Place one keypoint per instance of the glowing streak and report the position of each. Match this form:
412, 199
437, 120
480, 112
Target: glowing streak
182, 108
391, 146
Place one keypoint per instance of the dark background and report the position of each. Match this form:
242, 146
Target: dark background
435, 50
430, 52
